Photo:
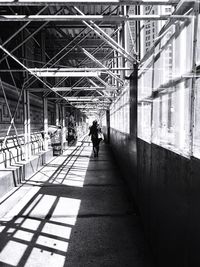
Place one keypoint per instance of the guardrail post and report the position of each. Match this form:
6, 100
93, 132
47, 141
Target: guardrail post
27, 125
45, 106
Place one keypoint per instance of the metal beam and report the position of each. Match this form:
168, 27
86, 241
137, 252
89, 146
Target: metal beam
21, 28
81, 98
66, 89
22, 65
29, 37
54, 57
113, 18
67, 73
70, 25
86, 2
45, 122
73, 69
99, 63
103, 35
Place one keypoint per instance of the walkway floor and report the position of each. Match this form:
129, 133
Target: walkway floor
74, 212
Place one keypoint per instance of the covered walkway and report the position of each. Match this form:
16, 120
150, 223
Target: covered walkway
132, 68
75, 211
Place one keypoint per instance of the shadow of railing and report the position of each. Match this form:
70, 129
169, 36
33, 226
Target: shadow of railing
37, 229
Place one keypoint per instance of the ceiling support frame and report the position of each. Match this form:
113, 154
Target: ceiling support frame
32, 73
29, 37
21, 28
114, 18
106, 37
86, 2
99, 63
64, 48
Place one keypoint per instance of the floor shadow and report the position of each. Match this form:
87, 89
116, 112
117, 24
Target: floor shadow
76, 213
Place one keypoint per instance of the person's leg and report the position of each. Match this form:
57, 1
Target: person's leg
96, 151
94, 148
97, 147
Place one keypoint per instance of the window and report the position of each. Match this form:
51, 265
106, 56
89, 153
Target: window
198, 42
119, 113
171, 118
145, 106
196, 142
164, 117
144, 121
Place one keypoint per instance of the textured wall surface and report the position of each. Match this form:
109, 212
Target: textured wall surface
166, 188
124, 151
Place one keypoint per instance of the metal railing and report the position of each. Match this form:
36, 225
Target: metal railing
14, 150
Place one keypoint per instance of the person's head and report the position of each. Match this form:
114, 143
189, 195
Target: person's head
95, 123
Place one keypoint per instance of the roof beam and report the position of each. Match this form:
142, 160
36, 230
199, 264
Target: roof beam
71, 25
99, 63
22, 65
66, 73
65, 89
103, 35
28, 37
82, 98
86, 2
75, 69
21, 28
113, 18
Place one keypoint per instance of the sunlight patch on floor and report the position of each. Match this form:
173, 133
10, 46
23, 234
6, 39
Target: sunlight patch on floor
36, 230
12, 253
39, 257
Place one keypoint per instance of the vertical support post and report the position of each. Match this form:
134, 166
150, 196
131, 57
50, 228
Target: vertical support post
113, 66
108, 125
125, 40
138, 33
57, 114
118, 57
63, 138
27, 126
121, 43
45, 106
43, 49
133, 101
194, 70
133, 125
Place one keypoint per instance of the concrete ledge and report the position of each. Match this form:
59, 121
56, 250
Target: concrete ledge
13, 175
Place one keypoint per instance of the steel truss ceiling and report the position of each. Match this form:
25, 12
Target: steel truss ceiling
76, 51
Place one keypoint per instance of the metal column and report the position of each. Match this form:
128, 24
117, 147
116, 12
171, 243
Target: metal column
45, 106
63, 138
27, 126
57, 114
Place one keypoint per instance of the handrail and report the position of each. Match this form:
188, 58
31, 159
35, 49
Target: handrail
14, 152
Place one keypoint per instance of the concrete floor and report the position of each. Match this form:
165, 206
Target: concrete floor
74, 212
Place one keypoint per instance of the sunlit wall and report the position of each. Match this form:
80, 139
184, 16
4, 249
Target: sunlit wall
120, 113
167, 114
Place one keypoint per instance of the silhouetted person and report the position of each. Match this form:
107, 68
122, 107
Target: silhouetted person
94, 133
